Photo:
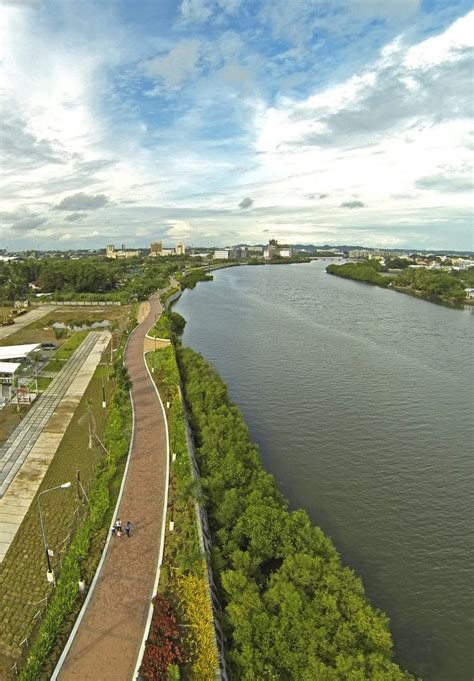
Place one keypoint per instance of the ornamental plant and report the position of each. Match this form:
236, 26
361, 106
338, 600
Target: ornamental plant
163, 647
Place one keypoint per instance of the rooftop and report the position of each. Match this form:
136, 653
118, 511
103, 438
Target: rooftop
17, 351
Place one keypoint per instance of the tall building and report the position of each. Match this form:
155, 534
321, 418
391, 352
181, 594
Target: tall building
180, 249
156, 248
276, 250
273, 250
110, 251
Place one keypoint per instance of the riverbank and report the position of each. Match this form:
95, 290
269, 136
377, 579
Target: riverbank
438, 287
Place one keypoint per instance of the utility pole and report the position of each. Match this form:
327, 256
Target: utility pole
49, 573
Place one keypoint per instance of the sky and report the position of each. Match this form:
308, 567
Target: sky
217, 122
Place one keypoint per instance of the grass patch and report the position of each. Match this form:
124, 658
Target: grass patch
65, 352
43, 383
70, 346
10, 417
41, 330
31, 334
4, 311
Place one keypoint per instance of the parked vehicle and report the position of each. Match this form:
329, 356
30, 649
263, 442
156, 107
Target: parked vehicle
49, 346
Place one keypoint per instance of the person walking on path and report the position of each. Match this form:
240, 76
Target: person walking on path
118, 527
128, 528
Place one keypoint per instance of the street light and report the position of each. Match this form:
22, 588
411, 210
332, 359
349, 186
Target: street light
104, 402
49, 573
154, 355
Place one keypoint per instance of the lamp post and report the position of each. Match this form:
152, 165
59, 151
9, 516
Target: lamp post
154, 355
49, 573
104, 401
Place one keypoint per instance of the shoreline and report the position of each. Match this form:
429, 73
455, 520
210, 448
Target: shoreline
414, 293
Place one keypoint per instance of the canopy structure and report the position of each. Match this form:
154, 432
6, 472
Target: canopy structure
17, 352
9, 367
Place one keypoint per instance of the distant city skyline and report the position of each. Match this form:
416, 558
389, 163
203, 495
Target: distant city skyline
218, 122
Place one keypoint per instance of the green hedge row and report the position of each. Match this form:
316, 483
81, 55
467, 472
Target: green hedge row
291, 610
169, 325
166, 295
183, 573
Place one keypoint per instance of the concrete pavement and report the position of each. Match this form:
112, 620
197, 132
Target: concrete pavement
25, 319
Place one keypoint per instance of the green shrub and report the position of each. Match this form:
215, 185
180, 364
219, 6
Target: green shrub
291, 610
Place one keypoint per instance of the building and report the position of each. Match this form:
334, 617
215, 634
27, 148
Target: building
363, 253
276, 250
272, 250
255, 250
223, 254
18, 353
8, 372
13, 360
156, 249
110, 252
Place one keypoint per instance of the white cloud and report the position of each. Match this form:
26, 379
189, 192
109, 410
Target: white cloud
76, 125
176, 66
196, 10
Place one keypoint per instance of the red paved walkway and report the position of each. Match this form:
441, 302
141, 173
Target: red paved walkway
108, 639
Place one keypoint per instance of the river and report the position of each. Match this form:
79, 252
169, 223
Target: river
360, 400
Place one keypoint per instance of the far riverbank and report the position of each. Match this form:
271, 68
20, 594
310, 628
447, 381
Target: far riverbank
433, 286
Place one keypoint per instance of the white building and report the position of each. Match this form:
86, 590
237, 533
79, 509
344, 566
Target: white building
13, 359
110, 252
8, 371
223, 254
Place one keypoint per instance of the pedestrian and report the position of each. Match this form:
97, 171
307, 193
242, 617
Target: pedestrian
118, 527
114, 529
128, 528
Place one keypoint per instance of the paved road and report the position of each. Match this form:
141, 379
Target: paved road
25, 319
108, 639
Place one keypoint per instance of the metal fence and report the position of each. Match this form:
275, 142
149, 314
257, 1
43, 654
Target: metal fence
82, 303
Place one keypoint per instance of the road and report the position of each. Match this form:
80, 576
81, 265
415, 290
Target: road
25, 319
